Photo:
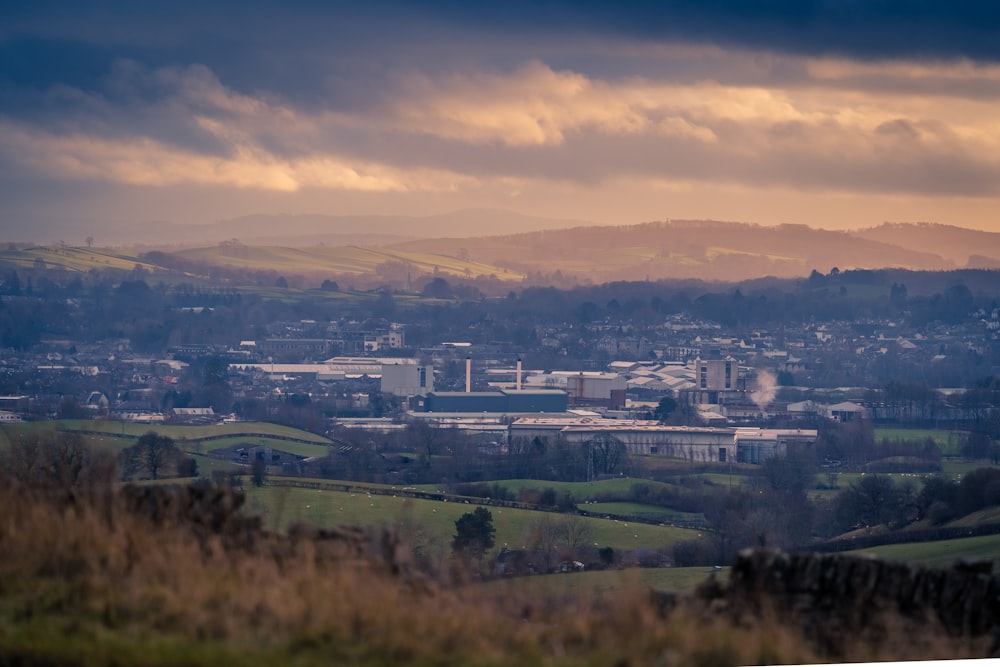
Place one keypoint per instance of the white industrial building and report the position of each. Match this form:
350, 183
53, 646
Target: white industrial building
399, 377
405, 377
693, 443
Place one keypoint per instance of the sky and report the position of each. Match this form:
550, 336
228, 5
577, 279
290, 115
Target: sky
838, 114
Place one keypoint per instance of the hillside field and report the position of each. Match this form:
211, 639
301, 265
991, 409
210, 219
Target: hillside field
433, 522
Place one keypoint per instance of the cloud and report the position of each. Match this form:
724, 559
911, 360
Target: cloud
147, 162
450, 102
534, 105
458, 129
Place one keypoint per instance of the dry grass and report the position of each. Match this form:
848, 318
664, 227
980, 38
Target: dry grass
84, 580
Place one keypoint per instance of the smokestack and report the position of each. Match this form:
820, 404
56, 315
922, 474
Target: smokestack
519, 374
468, 375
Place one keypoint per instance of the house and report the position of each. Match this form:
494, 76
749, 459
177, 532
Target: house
193, 416
846, 411
8, 417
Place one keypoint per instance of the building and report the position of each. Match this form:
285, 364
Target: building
405, 377
502, 401
597, 390
194, 416
295, 348
704, 444
375, 342
714, 378
756, 445
16, 404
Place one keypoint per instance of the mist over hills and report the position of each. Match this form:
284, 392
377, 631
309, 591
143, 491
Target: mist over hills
715, 250
513, 248
291, 229
964, 247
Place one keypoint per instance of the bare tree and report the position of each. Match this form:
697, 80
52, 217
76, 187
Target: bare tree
609, 453
577, 532
152, 454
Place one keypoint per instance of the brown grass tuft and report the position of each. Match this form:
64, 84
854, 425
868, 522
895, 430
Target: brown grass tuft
86, 578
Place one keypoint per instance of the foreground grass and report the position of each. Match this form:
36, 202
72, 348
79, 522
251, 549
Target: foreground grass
598, 583
88, 577
95, 584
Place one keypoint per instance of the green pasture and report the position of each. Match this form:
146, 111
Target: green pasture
282, 506
982, 517
734, 480
73, 259
581, 491
354, 260
117, 435
958, 467
942, 553
180, 432
949, 442
650, 512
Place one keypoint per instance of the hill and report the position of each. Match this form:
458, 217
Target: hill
301, 230
694, 249
562, 255
964, 247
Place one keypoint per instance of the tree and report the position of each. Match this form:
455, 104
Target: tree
437, 288
666, 407
794, 471
150, 456
474, 533
609, 453
258, 471
872, 501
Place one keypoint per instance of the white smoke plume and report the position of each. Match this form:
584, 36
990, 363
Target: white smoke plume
765, 390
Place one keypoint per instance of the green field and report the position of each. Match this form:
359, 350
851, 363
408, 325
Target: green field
581, 491
74, 259
942, 553
649, 512
116, 435
948, 441
355, 260
435, 520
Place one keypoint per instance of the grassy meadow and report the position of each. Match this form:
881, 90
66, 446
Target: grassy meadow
193, 439
434, 520
941, 553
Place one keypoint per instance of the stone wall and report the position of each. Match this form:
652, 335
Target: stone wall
838, 599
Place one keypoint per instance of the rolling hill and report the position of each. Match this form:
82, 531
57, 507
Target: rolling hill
700, 249
704, 249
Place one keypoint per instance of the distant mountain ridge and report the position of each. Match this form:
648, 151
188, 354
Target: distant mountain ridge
717, 250
469, 243
290, 229
305, 230
956, 244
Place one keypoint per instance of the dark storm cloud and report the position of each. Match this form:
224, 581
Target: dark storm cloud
48, 40
124, 101
853, 28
